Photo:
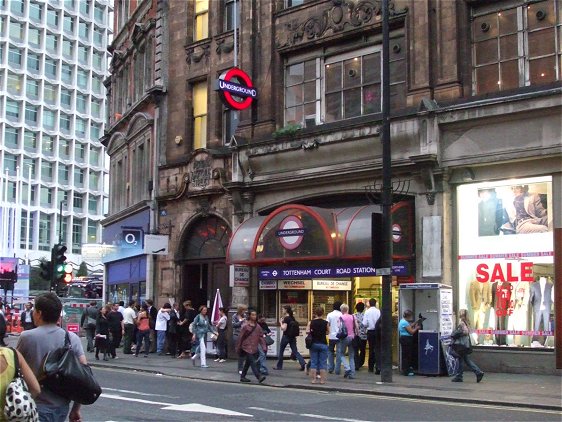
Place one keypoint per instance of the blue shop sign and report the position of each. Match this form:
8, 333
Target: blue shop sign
270, 273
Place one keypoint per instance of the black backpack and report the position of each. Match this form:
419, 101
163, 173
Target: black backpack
292, 328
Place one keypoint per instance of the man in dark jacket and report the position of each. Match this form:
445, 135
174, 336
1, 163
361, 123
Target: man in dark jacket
26, 317
152, 314
116, 329
88, 323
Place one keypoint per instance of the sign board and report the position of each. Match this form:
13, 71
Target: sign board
155, 244
268, 284
294, 284
73, 328
241, 276
331, 285
21, 288
344, 271
236, 89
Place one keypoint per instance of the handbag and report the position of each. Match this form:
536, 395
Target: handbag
214, 336
64, 374
462, 345
269, 340
19, 406
308, 341
342, 331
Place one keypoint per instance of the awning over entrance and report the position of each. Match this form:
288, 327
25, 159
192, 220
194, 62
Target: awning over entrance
295, 233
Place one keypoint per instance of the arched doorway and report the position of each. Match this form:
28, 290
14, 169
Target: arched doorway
204, 269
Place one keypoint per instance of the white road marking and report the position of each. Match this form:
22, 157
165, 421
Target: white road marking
201, 408
188, 407
306, 415
138, 393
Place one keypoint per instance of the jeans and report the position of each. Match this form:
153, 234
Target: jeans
140, 336
292, 342
319, 356
348, 362
251, 361
360, 354
469, 363
52, 413
128, 340
221, 344
332, 345
90, 333
160, 340
261, 361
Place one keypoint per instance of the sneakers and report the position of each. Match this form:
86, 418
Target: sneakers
222, 360
205, 366
479, 377
217, 360
244, 379
240, 372
456, 380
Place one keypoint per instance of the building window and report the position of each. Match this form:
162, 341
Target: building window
32, 63
30, 142
49, 117
16, 7
34, 37
31, 114
63, 173
84, 31
68, 48
77, 236
32, 89
51, 68
49, 93
92, 231
231, 13
65, 98
94, 157
51, 43
83, 54
201, 20
79, 177
68, 24
52, 18
35, 11
99, 13
66, 73
47, 145
96, 85
95, 108
199, 115
62, 196
82, 79
302, 92
81, 101
98, 37
293, 3
12, 109
80, 127
14, 57
85, 8
95, 132
15, 83
64, 148
28, 164
16, 31
97, 60
516, 46
46, 171
65, 120
12, 135
45, 196
79, 152
44, 241
77, 202
93, 204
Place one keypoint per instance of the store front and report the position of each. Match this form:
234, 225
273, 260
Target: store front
506, 262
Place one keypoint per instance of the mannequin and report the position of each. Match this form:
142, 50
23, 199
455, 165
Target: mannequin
501, 293
519, 318
480, 295
541, 298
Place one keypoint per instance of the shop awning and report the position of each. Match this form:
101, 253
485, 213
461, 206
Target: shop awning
297, 233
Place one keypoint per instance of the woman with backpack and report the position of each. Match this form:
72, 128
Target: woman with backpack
290, 328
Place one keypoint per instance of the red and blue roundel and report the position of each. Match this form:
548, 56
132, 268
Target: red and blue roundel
237, 96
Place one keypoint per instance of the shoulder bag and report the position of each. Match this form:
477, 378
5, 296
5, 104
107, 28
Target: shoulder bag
20, 406
356, 342
269, 340
64, 374
342, 331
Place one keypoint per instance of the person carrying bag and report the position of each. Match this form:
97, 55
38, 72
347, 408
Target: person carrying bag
462, 348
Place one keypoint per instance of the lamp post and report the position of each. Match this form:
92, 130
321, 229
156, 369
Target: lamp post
60, 220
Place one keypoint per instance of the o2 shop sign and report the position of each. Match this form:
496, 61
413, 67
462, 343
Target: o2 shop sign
236, 89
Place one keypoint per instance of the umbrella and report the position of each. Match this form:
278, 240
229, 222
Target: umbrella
216, 305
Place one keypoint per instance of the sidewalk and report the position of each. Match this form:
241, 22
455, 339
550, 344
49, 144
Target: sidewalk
515, 390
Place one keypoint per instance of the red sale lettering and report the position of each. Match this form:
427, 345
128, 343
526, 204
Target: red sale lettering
505, 272
527, 271
497, 274
481, 273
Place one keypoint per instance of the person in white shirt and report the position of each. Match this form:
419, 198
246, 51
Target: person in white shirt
161, 326
370, 319
220, 324
333, 319
121, 307
129, 317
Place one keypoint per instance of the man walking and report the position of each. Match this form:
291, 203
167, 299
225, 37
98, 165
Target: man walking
116, 329
372, 315
26, 317
88, 323
129, 317
333, 319
35, 344
152, 314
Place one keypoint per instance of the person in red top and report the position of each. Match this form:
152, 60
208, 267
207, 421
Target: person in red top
250, 338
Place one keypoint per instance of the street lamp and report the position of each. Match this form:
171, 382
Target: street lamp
60, 220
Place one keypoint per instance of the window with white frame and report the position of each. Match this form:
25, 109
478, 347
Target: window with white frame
515, 44
302, 92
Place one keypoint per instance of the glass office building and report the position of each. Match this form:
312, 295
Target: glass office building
53, 60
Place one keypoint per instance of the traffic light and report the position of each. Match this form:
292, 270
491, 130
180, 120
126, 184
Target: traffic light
46, 270
59, 259
67, 278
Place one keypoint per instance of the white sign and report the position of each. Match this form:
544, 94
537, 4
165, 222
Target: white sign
331, 284
241, 276
268, 284
294, 284
155, 244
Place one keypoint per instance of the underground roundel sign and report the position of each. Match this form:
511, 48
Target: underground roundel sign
236, 89
291, 232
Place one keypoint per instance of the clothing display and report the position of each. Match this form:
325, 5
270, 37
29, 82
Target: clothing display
519, 319
541, 298
501, 293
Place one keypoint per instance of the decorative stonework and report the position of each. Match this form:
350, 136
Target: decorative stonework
196, 54
341, 16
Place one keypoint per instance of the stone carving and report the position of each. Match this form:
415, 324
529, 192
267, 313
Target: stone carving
224, 47
341, 16
196, 54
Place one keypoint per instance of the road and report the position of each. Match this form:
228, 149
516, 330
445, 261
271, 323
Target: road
137, 396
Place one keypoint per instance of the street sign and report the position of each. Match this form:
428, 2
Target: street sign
382, 271
155, 244
73, 328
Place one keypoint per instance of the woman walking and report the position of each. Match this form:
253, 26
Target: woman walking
102, 332
143, 331
360, 351
249, 341
261, 350
220, 324
406, 331
290, 328
346, 344
463, 348
318, 328
238, 319
201, 326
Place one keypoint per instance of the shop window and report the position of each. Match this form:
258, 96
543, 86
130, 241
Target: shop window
515, 47
199, 92
201, 20
505, 261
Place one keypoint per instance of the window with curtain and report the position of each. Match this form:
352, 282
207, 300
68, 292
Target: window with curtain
200, 115
201, 20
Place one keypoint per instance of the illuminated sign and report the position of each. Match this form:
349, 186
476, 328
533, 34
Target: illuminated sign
236, 89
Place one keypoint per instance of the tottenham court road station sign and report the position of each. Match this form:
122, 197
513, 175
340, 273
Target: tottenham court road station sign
236, 89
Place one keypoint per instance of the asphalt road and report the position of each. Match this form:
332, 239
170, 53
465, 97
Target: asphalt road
137, 396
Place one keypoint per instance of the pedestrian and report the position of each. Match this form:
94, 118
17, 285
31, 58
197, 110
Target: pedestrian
121, 307
35, 344
201, 326
360, 351
462, 348
102, 332
143, 331
249, 341
262, 351
116, 329
333, 341
129, 321
318, 328
406, 330
290, 328
220, 325
172, 331
152, 313
346, 344
187, 315
26, 317
370, 319
88, 323
8, 372
162, 318
237, 320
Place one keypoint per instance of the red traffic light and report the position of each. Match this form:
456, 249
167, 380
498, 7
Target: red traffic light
67, 278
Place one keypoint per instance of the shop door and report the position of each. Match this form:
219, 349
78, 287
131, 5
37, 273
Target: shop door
195, 283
